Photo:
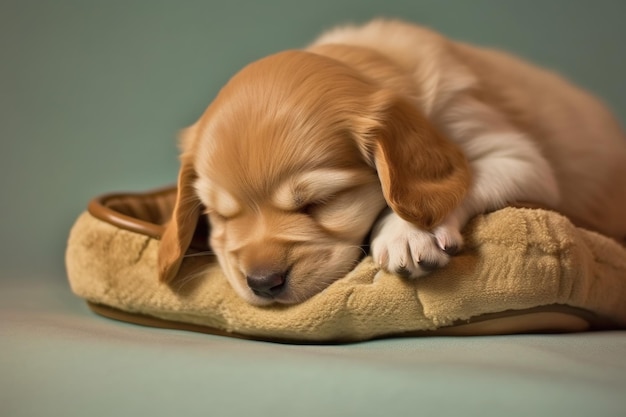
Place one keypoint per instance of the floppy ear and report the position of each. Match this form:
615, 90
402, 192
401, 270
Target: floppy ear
424, 176
179, 231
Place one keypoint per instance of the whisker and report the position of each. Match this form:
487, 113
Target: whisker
190, 278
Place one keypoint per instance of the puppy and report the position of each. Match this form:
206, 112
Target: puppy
391, 131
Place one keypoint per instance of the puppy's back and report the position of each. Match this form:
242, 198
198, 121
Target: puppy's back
576, 132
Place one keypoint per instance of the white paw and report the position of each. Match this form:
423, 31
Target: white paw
448, 238
402, 248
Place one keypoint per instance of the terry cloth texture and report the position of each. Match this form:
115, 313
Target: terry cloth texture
522, 270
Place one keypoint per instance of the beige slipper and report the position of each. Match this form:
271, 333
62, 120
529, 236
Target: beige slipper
522, 270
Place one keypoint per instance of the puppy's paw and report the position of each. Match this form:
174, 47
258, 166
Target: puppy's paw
402, 248
448, 238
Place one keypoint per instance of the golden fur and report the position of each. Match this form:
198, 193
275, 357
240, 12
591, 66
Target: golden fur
386, 128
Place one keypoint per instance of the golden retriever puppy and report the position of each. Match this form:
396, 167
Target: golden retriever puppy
388, 131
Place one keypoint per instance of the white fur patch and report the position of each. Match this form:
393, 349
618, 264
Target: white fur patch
508, 167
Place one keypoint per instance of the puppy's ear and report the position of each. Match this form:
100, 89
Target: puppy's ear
180, 229
424, 176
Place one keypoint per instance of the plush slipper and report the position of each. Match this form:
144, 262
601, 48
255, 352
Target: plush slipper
522, 270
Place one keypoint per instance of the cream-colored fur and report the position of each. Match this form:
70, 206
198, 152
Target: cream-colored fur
302, 150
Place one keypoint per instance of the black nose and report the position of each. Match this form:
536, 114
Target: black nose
268, 285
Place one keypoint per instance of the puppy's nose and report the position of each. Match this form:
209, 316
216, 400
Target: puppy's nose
267, 285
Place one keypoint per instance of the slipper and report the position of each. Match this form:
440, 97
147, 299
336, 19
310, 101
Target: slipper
521, 271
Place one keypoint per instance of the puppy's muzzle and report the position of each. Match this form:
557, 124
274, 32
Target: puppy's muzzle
267, 285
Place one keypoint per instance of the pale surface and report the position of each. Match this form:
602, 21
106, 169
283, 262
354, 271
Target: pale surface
60, 360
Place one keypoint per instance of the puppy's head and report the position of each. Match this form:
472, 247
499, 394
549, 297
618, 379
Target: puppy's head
292, 163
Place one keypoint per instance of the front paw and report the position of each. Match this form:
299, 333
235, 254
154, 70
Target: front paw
400, 247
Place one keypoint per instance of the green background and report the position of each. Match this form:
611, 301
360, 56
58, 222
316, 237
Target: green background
93, 92
91, 97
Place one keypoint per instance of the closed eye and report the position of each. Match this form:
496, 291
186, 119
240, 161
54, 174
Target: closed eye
302, 193
215, 215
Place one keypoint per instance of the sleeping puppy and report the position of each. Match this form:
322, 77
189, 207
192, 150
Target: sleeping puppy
388, 131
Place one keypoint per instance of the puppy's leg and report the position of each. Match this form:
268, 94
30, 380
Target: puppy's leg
507, 167
400, 247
